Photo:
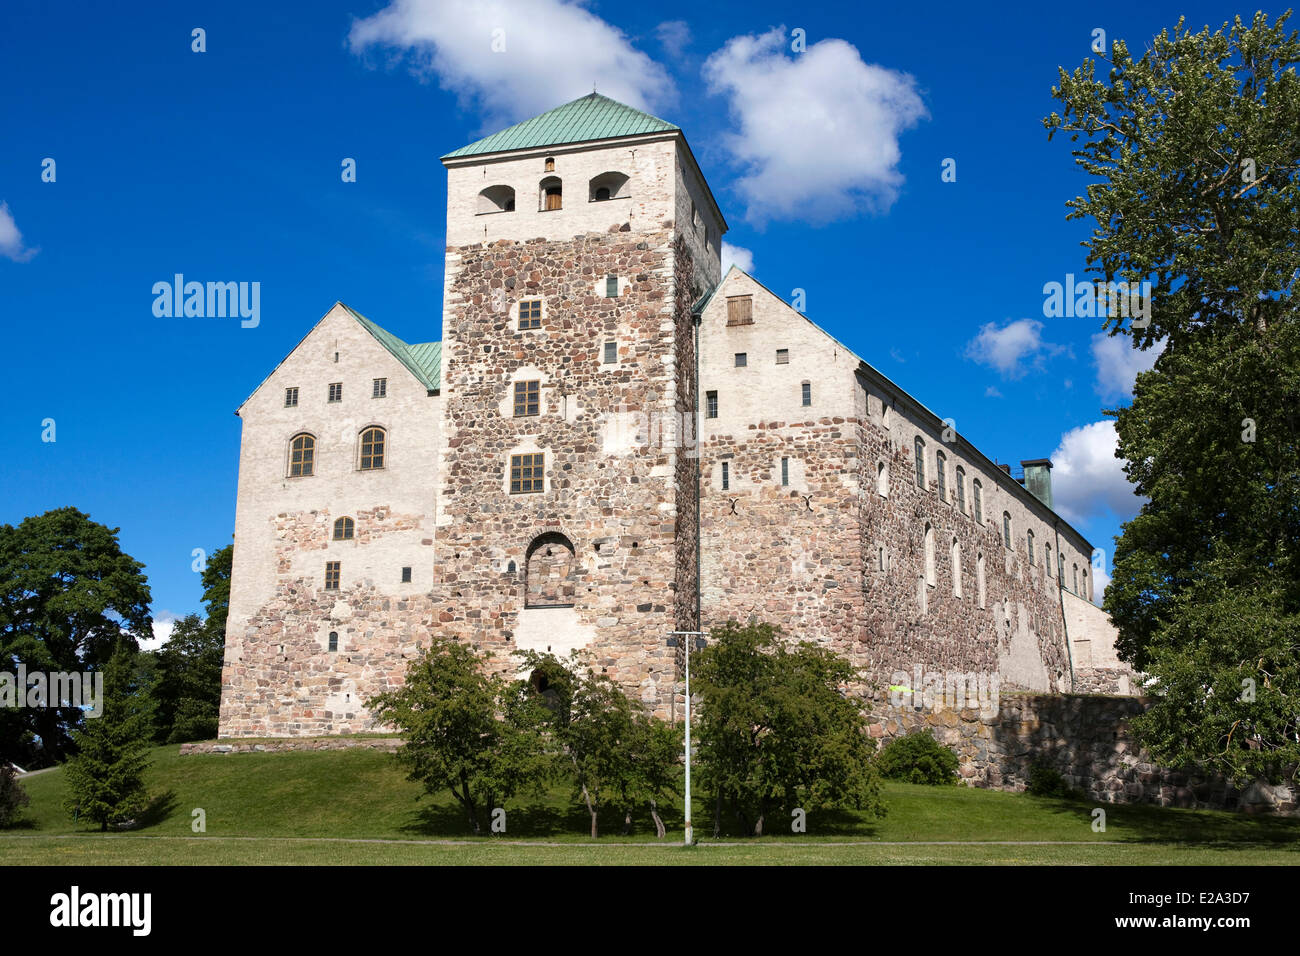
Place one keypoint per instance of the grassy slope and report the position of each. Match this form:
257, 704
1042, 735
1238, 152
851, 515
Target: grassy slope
254, 802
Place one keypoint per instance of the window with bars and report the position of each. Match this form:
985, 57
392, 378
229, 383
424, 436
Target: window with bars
611, 353
710, 404
1029, 540
372, 449
918, 447
380, 389
742, 359
334, 641
530, 314
1006, 529
336, 391
941, 472
782, 356
527, 399
785, 471
611, 287
740, 310
526, 473
290, 397
302, 455
807, 393
406, 575
978, 489
344, 529
726, 476
332, 572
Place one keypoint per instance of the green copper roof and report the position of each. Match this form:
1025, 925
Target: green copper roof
589, 118
423, 359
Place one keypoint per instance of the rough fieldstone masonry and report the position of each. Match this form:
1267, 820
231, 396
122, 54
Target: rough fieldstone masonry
613, 441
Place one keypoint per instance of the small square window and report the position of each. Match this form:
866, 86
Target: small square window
740, 310
406, 575
290, 397
726, 476
611, 287
336, 391
530, 314
332, 569
611, 353
807, 393
710, 404
527, 399
782, 356
380, 389
742, 359
526, 473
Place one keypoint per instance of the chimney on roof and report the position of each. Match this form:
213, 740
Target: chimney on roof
1038, 479
1006, 468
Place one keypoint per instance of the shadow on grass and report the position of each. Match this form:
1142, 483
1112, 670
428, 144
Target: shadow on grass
160, 807
534, 819
1148, 823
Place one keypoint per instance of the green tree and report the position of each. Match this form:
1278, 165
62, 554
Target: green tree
106, 777
187, 686
12, 795
68, 594
775, 731
466, 731
1192, 150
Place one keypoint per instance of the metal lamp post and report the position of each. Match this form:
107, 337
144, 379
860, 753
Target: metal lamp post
672, 642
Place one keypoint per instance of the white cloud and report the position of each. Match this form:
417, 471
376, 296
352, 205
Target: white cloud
163, 623
1100, 581
674, 36
992, 392
818, 130
1087, 479
1118, 363
11, 240
1012, 349
737, 256
549, 52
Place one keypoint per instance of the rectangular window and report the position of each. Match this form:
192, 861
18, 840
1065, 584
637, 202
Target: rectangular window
740, 310
710, 404
530, 314
332, 575
334, 641
782, 356
807, 393
526, 473
406, 575
979, 504
941, 470
336, 391
726, 476
785, 471
742, 359
527, 398
611, 287
611, 353
380, 389
290, 397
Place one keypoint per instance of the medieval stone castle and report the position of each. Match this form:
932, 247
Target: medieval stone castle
611, 442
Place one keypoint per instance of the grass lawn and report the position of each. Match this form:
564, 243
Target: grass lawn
354, 806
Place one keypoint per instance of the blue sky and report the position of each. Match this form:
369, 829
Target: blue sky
224, 165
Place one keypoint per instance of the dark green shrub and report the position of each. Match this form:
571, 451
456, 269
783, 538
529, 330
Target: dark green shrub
918, 758
1046, 781
12, 796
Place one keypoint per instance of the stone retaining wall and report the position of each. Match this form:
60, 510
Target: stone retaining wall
386, 744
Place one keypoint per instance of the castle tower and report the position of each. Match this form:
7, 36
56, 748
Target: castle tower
567, 508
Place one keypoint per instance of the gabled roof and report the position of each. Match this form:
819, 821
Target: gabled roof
423, 360
588, 118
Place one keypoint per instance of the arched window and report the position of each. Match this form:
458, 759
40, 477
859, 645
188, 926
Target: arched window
334, 641
343, 529
1047, 559
551, 194
941, 470
961, 489
1029, 538
979, 578
956, 567
1083, 575
1074, 580
608, 186
1006, 529
882, 479
550, 572
929, 555
372, 449
496, 199
919, 448
1060, 567
978, 490
549, 165
302, 455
